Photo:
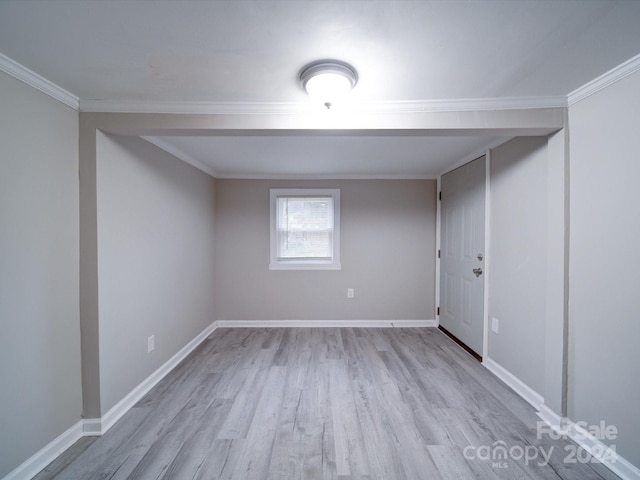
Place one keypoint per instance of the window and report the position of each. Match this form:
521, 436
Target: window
305, 229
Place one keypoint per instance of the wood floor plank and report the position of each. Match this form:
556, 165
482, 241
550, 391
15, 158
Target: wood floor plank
324, 403
244, 405
216, 460
450, 462
348, 440
382, 446
273, 339
191, 456
289, 343
413, 394
412, 448
63, 463
253, 462
187, 421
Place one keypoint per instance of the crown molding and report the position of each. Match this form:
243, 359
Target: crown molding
240, 108
170, 149
612, 76
473, 104
22, 73
108, 106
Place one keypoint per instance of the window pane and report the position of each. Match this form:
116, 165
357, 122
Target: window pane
305, 227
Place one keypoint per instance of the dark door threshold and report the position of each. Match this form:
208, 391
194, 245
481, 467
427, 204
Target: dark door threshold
459, 342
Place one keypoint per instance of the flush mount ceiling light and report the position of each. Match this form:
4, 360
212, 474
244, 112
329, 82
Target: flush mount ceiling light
328, 80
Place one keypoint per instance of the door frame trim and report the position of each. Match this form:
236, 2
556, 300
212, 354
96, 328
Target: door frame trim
437, 292
487, 253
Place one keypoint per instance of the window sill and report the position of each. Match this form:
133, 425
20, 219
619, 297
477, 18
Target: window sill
304, 266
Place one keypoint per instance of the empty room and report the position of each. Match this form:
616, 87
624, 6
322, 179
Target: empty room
319, 239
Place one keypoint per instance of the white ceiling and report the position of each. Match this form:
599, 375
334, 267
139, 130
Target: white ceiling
244, 56
327, 156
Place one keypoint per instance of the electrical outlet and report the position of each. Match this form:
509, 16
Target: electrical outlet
151, 343
351, 293
495, 325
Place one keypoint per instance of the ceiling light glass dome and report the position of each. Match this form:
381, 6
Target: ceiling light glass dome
328, 81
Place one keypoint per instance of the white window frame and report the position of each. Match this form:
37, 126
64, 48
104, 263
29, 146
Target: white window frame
301, 263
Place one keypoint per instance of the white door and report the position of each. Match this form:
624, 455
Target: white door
462, 265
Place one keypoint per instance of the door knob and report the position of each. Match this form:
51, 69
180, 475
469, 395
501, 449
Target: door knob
477, 271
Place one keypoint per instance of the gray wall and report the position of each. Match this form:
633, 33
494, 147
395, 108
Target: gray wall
155, 259
387, 254
39, 313
518, 256
604, 328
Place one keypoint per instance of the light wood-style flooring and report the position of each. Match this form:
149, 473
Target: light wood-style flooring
325, 403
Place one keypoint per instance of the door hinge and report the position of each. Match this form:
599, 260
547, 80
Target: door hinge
438, 253
438, 311
439, 195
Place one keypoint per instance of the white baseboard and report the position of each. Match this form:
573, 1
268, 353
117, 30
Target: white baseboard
522, 389
92, 427
618, 465
550, 417
326, 323
34, 464
597, 449
98, 426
